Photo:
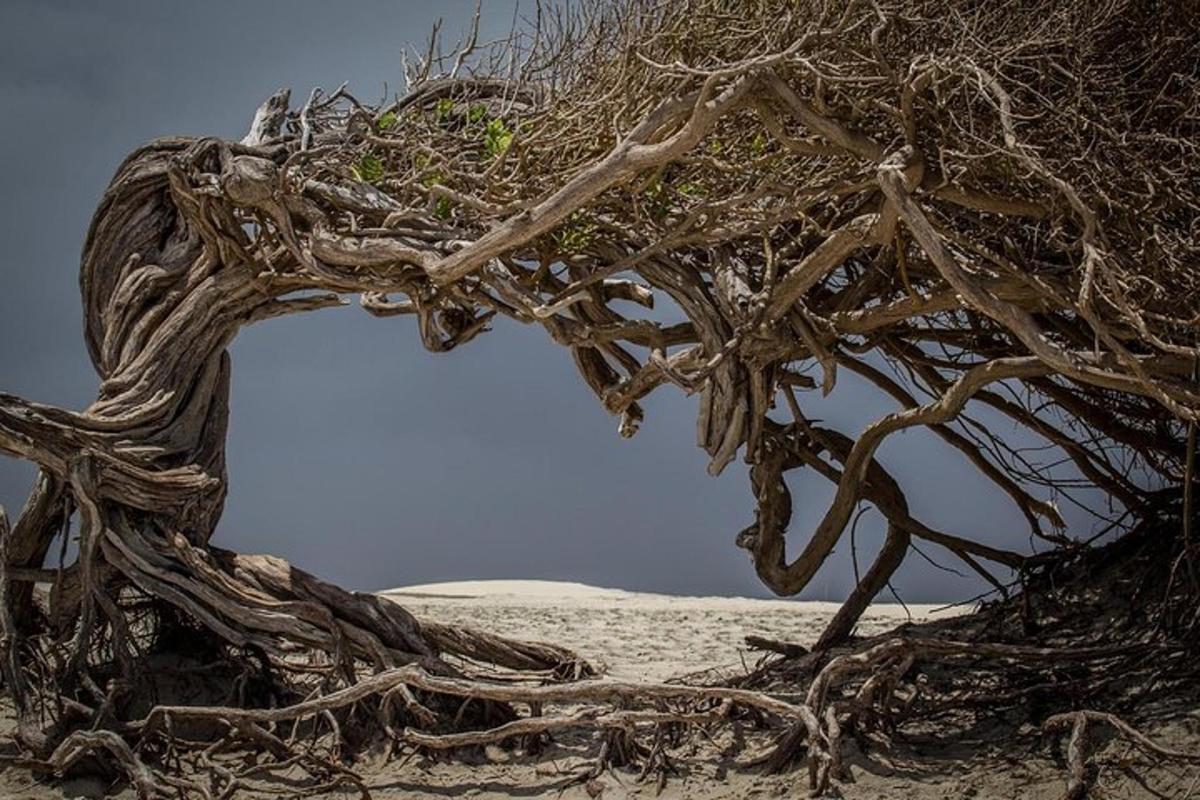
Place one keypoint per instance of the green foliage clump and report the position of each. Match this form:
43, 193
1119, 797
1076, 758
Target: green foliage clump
759, 145
497, 138
443, 109
368, 169
429, 177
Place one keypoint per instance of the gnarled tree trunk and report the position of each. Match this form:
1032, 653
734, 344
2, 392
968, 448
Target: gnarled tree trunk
166, 286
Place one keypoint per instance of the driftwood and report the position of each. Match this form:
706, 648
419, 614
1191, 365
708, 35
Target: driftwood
971, 206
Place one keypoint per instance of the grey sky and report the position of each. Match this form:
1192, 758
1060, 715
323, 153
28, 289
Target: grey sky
352, 451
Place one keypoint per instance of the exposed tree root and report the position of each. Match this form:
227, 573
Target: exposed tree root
1082, 639
1077, 749
1078, 720
866, 690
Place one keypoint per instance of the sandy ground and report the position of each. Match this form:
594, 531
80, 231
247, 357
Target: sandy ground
636, 635
657, 637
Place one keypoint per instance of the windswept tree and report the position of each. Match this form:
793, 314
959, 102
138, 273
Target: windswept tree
970, 205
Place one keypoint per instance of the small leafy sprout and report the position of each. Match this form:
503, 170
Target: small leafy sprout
387, 121
443, 109
477, 113
368, 169
497, 138
759, 145
690, 189
442, 208
716, 147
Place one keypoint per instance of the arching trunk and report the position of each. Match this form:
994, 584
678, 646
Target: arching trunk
165, 290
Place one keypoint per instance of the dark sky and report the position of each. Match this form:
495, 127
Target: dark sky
352, 451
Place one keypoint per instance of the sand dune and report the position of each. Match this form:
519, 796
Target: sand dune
639, 634
557, 591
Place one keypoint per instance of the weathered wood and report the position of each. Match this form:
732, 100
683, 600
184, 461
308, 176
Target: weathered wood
826, 185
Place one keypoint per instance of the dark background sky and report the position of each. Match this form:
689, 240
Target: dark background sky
352, 451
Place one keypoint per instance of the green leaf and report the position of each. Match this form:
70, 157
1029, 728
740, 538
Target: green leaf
759, 145
433, 179
497, 138
387, 121
442, 208
368, 169
443, 109
477, 113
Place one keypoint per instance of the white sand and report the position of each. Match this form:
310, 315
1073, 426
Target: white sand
638, 635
